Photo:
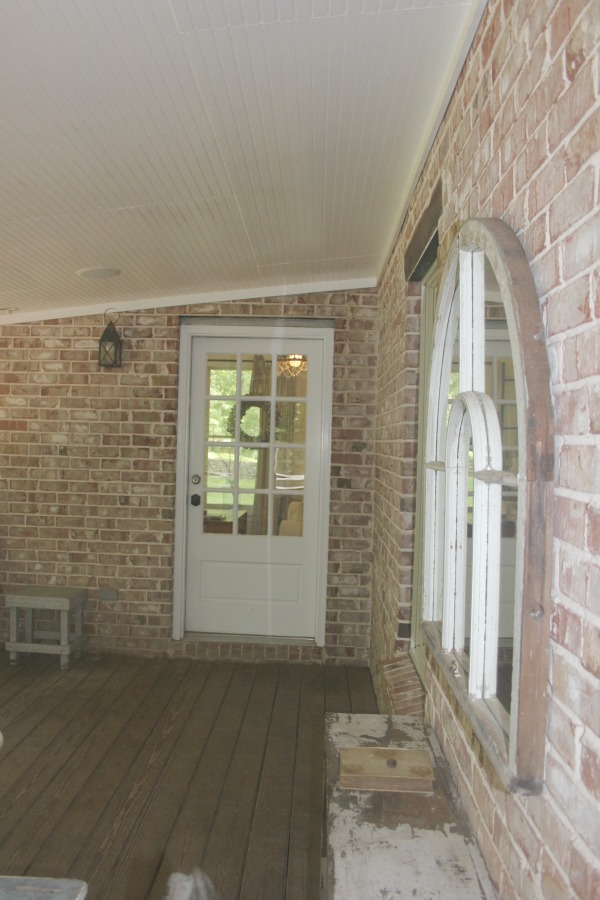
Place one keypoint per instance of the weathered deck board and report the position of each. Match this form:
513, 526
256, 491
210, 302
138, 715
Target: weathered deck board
362, 698
225, 854
41, 715
266, 868
200, 802
120, 771
337, 690
99, 809
139, 866
43, 764
306, 812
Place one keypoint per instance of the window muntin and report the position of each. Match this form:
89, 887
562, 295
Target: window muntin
255, 444
485, 441
473, 423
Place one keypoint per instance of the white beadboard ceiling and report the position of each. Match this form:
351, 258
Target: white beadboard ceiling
212, 149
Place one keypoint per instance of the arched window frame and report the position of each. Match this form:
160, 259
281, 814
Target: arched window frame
514, 745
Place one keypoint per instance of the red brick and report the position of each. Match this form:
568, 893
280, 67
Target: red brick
579, 467
569, 306
563, 21
590, 770
573, 203
546, 185
573, 106
575, 689
561, 734
572, 412
566, 629
521, 831
593, 529
582, 248
584, 874
581, 354
570, 520
591, 597
582, 144
591, 647
554, 885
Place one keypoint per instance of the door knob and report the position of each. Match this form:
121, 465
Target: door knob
195, 500
196, 479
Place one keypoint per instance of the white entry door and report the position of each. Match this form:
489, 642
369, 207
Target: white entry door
254, 476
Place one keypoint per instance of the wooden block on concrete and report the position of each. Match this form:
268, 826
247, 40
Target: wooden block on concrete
386, 769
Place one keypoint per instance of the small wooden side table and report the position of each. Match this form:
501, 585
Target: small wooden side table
32, 598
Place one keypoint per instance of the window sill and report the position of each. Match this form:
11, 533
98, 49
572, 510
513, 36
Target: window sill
480, 720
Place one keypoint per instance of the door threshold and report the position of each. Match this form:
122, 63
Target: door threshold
203, 637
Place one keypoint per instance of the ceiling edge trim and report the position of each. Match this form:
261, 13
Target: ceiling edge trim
469, 32
150, 303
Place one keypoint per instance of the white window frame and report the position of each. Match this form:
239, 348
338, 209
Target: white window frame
513, 744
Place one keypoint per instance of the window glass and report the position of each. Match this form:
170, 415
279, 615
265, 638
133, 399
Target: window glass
222, 375
256, 375
219, 415
288, 515
485, 559
292, 372
219, 466
254, 450
480, 416
290, 422
253, 509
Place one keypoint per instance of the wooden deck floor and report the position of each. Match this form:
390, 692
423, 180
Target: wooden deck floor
121, 771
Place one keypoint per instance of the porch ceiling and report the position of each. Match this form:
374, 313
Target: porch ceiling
212, 149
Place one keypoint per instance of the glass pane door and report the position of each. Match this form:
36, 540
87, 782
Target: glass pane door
254, 448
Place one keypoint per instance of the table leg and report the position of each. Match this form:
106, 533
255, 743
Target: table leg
64, 638
78, 627
29, 626
14, 612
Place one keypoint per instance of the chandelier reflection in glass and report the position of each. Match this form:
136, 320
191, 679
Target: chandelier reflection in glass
292, 365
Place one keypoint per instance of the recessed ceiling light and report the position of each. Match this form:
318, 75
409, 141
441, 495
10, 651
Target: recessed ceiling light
5, 310
98, 272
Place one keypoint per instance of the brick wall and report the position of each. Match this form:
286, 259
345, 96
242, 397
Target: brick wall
520, 141
88, 472
395, 473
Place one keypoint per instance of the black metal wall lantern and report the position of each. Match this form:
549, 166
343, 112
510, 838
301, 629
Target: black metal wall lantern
110, 348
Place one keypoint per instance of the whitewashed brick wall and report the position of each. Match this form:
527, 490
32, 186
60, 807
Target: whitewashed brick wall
520, 141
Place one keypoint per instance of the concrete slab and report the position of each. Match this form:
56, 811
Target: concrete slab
395, 846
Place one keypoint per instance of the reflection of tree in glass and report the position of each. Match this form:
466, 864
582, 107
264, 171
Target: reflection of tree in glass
218, 417
223, 382
221, 464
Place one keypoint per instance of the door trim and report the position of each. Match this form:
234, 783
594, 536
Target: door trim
191, 328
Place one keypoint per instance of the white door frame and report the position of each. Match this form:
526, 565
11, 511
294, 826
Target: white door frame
197, 327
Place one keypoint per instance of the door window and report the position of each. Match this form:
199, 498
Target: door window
255, 444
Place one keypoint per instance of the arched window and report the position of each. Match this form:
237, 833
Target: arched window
488, 495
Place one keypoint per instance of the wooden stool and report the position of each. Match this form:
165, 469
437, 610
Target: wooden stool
37, 597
